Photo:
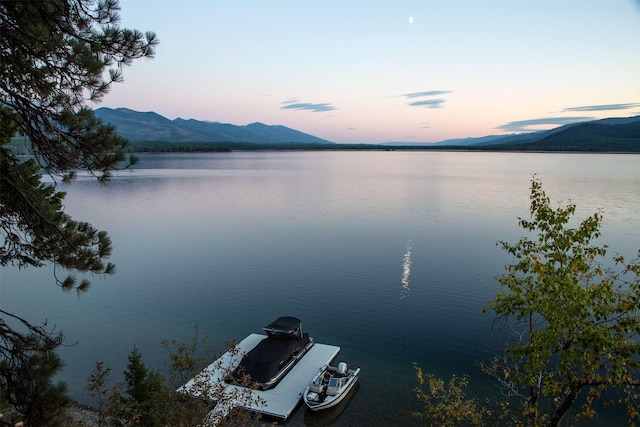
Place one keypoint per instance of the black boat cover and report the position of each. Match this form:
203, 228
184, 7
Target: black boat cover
284, 325
265, 360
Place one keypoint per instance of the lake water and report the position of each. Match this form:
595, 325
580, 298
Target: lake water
389, 255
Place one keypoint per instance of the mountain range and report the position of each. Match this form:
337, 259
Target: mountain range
150, 126
612, 134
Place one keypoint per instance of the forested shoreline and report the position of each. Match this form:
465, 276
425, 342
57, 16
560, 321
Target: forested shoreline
20, 146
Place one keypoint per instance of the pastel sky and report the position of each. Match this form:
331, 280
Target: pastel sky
369, 71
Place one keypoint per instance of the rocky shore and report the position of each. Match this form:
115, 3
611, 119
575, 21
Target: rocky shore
77, 416
82, 416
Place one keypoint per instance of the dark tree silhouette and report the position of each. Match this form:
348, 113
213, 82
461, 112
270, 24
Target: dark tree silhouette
55, 56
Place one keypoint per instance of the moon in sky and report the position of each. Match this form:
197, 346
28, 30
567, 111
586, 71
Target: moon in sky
411, 20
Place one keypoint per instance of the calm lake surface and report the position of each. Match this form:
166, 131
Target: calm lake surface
389, 255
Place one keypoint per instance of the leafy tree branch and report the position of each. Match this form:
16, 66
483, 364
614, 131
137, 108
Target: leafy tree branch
575, 319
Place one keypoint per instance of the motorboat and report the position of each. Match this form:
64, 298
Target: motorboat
274, 356
330, 386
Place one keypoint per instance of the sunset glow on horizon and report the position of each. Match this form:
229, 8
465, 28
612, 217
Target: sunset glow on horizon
381, 71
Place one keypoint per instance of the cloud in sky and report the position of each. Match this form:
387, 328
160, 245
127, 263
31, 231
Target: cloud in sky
525, 125
427, 103
315, 108
605, 107
427, 93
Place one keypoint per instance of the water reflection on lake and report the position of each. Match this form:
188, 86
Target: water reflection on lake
389, 255
406, 271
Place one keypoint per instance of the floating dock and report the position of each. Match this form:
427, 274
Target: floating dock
278, 402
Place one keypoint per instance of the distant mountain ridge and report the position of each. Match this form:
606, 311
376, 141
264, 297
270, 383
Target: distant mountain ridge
151, 126
611, 134
620, 134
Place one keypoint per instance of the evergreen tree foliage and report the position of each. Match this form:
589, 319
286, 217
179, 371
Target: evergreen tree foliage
55, 57
27, 368
184, 398
143, 394
98, 389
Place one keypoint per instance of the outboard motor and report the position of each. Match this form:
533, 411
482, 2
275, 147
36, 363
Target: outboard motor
342, 368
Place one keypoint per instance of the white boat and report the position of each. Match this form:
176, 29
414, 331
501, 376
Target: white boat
330, 386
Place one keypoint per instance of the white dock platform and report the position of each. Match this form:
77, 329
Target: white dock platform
279, 401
